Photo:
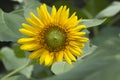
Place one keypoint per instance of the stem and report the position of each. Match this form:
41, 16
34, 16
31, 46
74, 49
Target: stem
14, 71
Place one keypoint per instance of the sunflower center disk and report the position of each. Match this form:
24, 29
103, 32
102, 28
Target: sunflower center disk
55, 38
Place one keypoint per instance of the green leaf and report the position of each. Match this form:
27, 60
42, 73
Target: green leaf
102, 65
106, 34
18, 12
11, 62
17, 77
110, 11
18, 52
30, 6
9, 25
92, 22
41, 71
61, 67
88, 50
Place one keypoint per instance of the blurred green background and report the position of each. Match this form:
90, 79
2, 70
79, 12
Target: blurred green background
102, 59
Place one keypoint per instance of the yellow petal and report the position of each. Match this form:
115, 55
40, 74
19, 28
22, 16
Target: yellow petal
59, 56
44, 15
70, 55
53, 13
83, 40
26, 40
38, 11
75, 51
65, 14
58, 14
73, 15
76, 44
74, 20
79, 20
79, 50
78, 39
36, 54
26, 32
38, 26
28, 27
43, 56
59, 11
36, 19
30, 46
77, 34
52, 59
75, 37
67, 58
31, 21
71, 19
79, 28
48, 59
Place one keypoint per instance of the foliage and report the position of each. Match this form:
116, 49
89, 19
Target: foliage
101, 59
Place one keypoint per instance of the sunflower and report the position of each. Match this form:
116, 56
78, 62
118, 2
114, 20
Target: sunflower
53, 37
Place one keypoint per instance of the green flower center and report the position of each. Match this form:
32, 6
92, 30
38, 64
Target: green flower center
55, 38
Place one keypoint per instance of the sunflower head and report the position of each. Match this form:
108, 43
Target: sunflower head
54, 36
